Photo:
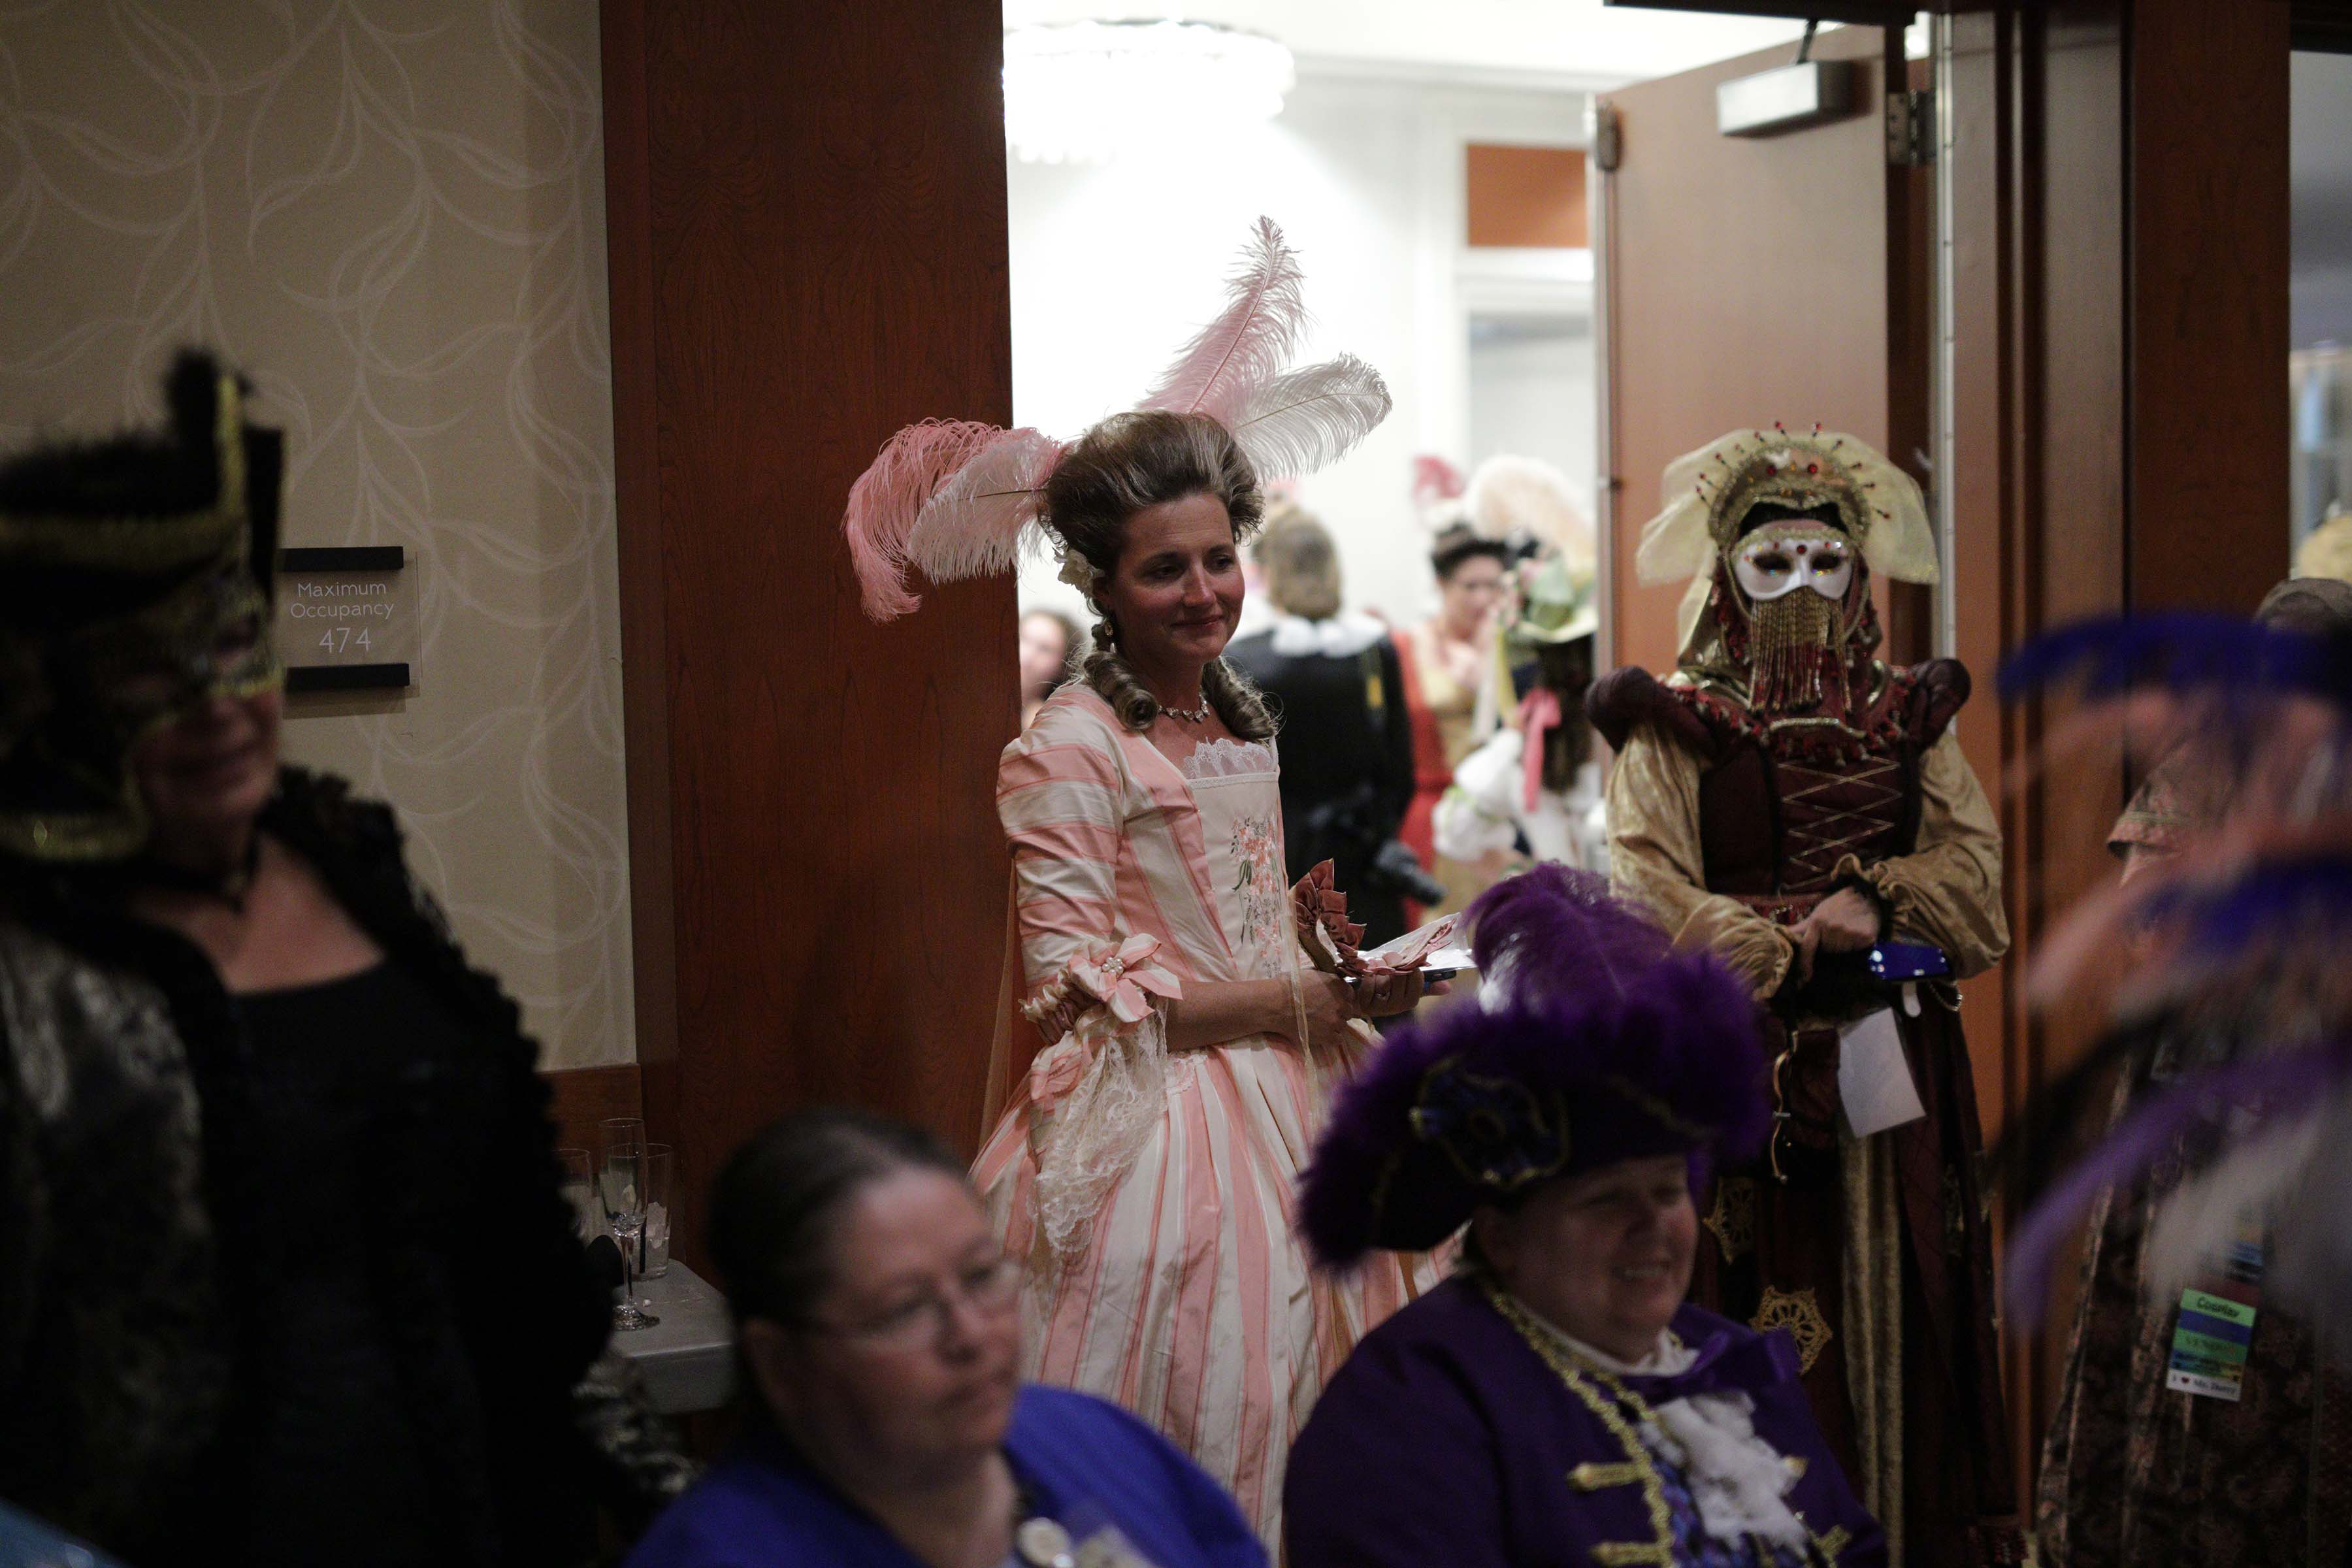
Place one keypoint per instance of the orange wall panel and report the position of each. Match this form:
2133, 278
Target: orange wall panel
1527, 195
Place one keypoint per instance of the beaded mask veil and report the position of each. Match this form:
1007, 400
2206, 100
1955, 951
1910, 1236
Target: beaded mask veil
133, 586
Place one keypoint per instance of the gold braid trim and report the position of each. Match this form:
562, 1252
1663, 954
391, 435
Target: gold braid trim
150, 543
1639, 1467
1590, 1478
135, 543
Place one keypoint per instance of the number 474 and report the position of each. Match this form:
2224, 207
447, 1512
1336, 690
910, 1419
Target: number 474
336, 640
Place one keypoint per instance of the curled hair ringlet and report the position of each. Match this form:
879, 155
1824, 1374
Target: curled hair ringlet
1126, 463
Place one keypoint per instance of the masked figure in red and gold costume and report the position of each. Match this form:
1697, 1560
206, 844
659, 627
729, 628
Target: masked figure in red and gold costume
1802, 809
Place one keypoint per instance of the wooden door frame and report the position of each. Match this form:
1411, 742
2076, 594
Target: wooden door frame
2086, 280
808, 249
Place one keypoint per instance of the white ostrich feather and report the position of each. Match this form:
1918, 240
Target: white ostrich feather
979, 520
2199, 1220
2294, 1182
1300, 421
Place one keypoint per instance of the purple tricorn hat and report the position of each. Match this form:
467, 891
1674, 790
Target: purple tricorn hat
1591, 1043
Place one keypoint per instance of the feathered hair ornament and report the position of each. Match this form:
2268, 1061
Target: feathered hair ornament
1590, 1043
2229, 1004
959, 498
1521, 498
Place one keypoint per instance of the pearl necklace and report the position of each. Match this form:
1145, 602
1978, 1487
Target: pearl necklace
1190, 715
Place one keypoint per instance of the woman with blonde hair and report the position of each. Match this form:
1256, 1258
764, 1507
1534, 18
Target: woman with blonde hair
1336, 680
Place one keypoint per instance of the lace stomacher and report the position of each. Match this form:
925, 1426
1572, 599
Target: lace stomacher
1231, 760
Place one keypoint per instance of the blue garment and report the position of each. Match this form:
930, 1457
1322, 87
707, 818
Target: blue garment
1078, 1459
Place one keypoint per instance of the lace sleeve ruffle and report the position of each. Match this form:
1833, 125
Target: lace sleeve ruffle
1096, 1092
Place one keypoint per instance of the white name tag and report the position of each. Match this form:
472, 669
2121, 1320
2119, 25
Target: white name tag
1873, 1078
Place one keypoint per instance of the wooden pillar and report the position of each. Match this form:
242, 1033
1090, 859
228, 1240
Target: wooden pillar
2119, 271
808, 248
2208, 205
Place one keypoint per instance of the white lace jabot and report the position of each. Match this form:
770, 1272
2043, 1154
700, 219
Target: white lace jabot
1223, 759
1738, 1479
1340, 637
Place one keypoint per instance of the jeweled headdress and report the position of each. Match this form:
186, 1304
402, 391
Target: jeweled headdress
134, 576
1709, 493
1591, 1042
959, 498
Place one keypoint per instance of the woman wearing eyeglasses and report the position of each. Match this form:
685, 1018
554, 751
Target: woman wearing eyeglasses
878, 1328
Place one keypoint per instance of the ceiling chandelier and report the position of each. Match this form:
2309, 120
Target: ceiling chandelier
1089, 92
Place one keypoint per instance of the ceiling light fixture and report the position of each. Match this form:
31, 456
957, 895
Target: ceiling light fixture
1089, 92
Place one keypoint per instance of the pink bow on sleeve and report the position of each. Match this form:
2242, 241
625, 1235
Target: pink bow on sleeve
1538, 716
1118, 975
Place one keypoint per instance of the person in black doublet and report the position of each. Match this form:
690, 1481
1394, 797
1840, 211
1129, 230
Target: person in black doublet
1347, 741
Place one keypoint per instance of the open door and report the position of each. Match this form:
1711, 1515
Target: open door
1745, 280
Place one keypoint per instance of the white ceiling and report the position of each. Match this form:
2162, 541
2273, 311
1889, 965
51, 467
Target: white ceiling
1568, 43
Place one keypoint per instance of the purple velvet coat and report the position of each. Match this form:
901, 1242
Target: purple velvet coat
1447, 1439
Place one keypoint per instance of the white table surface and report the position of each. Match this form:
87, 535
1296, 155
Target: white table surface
688, 1359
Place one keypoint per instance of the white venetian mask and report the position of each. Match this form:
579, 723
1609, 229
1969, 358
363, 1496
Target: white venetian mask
1774, 562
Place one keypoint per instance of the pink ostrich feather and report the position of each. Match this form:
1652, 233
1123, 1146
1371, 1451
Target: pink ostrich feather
1435, 479
891, 499
1249, 343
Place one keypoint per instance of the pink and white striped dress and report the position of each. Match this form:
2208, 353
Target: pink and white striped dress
1152, 1190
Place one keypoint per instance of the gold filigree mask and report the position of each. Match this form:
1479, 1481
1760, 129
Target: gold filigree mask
77, 694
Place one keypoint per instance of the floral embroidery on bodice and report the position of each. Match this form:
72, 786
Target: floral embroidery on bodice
1237, 785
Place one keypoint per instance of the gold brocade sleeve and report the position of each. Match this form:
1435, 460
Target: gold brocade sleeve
1655, 860
1948, 892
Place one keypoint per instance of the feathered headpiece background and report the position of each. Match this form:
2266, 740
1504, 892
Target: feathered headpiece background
959, 499
1590, 1043
2224, 960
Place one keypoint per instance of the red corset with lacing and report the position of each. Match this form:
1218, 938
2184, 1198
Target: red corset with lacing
1780, 806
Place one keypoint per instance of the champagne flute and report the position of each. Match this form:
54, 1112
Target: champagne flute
624, 1188
622, 1133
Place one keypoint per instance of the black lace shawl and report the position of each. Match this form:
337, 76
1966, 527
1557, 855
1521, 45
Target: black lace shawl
118, 1326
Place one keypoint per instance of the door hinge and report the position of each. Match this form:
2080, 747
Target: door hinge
1911, 129
1603, 129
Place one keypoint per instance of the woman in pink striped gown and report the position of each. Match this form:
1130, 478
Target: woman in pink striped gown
1146, 1165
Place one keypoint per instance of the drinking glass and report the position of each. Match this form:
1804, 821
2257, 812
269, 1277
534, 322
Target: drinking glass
661, 1165
624, 1187
578, 1185
621, 1133
618, 1132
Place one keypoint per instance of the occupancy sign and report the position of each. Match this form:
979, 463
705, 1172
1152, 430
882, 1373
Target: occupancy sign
345, 618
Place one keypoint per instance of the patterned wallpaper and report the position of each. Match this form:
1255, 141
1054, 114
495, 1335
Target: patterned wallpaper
390, 214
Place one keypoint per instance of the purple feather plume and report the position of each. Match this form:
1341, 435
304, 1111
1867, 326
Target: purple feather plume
1611, 1031
1553, 931
2180, 650
2313, 897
